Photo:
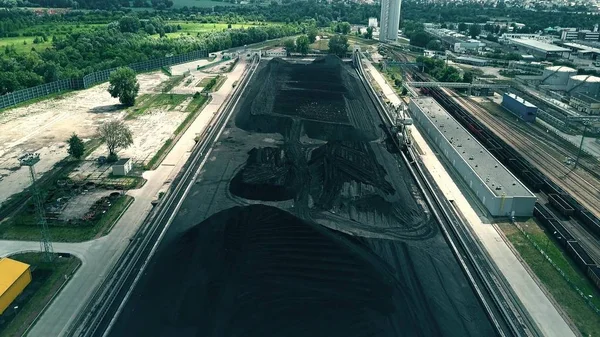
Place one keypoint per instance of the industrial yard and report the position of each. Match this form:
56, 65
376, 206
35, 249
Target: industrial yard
284, 186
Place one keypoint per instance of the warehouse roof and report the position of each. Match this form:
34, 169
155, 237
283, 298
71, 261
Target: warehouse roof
539, 45
489, 170
10, 271
582, 48
520, 100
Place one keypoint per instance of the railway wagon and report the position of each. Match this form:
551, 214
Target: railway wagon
559, 232
517, 166
552, 188
541, 212
588, 219
560, 205
534, 183
581, 257
593, 273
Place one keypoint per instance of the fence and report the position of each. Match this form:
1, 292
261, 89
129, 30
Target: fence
16, 97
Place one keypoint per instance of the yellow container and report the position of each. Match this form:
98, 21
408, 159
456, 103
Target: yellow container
14, 277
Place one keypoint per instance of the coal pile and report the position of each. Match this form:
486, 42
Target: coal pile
325, 95
320, 231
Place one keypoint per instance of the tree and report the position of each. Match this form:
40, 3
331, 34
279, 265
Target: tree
76, 147
468, 77
345, 28
338, 45
116, 135
420, 39
289, 46
124, 85
129, 24
312, 34
474, 30
369, 33
462, 27
434, 45
302, 43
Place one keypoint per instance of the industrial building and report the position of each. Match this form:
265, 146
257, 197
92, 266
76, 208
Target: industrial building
466, 46
568, 34
585, 104
390, 20
584, 84
557, 75
540, 49
587, 35
583, 51
276, 52
493, 184
519, 107
14, 278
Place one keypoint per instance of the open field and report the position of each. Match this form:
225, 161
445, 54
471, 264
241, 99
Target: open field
193, 28
586, 320
200, 3
322, 45
23, 44
47, 279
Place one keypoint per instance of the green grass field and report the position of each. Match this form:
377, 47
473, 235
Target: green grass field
587, 321
200, 3
193, 28
322, 45
25, 43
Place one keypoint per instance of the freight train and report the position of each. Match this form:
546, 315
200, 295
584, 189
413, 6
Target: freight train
560, 200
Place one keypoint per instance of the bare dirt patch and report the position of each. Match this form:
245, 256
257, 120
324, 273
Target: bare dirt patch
43, 127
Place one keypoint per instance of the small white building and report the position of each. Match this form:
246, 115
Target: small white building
122, 167
373, 22
276, 52
248, 54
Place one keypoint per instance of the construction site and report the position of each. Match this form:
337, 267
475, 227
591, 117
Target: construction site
304, 221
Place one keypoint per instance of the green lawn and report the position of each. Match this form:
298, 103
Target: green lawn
47, 279
200, 3
586, 320
194, 28
147, 101
15, 229
50, 30
322, 45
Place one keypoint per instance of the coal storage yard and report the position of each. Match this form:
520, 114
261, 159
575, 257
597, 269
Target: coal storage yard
303, 223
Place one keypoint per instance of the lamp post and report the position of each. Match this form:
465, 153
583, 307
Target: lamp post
585, 125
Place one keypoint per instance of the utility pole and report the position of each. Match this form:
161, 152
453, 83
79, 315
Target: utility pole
29, 160
585, 125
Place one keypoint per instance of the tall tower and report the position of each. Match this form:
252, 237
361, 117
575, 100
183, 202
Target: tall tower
29, 160
390, 20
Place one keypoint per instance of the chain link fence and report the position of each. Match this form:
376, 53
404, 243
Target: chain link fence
17, 97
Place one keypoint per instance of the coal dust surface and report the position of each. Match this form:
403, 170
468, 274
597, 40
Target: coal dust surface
303, 223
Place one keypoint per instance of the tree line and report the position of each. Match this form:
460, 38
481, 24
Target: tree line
119, 43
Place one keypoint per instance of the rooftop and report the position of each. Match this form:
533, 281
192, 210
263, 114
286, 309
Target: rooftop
585, 78
122, 161
10, 271
561, 69
497, 177
582, 48
471, 59
539, 45
520, 99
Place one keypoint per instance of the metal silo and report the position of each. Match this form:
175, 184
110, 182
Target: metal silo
584, 84
557, 75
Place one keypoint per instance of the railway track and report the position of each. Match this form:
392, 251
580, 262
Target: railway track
549, 166
500, 303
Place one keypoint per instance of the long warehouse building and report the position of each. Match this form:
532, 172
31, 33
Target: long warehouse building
494, 185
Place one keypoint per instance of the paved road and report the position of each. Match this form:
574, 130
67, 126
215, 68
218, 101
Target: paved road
542, 310
99, 256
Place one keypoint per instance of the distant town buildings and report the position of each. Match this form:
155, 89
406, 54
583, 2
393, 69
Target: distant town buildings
390, 20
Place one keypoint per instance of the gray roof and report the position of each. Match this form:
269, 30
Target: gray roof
539, 45
520, 100
122, 161
484, 164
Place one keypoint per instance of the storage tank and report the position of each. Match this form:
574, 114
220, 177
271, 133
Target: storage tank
584, 84
557, 75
